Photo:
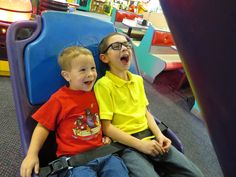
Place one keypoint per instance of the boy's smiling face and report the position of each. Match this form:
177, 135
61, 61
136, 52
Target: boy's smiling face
82, 74
118, 60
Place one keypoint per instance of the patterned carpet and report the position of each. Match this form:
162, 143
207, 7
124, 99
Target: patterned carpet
10, 149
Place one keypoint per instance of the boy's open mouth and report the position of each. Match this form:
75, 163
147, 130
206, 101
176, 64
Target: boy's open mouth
88, 82
124, 58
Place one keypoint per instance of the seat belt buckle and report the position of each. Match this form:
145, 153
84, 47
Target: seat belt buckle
59, 165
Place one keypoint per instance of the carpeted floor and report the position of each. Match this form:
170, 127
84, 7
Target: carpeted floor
10, 149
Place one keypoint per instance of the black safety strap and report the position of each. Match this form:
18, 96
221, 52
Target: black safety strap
63, 163
101, 151
147, 132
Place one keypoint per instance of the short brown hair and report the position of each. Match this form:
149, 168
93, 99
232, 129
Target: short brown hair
69, 54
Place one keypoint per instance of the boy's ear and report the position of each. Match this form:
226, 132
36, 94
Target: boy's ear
103, 58
65, 75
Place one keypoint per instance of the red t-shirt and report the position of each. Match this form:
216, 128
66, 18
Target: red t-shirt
73, 115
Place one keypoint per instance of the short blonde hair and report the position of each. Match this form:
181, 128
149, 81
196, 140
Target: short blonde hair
69, 54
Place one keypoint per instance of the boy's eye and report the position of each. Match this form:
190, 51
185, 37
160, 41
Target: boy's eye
82, 70
93, 68
116, 46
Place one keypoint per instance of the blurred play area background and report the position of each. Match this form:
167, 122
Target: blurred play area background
15, 10
111, 10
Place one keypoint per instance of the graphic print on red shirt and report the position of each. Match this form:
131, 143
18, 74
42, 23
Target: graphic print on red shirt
73, 115
87, 125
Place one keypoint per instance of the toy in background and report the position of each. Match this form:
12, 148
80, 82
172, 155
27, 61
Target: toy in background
72, 5
107, 8
97, 6
132, 8
84, 5
121, 4
102, 6
10, 11
141, 7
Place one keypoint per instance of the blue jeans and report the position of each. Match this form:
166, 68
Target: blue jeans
107, 166
172, 164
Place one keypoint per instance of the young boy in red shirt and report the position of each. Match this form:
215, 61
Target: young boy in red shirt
72, 112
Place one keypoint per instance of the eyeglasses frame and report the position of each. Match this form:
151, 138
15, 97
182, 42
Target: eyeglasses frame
128, 46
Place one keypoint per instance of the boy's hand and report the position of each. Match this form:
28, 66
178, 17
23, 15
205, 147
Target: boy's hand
152, 148
164, 142
106, 140
28, 164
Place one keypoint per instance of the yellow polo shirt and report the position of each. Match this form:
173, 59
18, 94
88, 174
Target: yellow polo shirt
122, 102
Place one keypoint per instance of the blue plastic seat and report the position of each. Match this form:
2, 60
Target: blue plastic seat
35, 74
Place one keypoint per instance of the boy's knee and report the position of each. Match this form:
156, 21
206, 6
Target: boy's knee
116, 161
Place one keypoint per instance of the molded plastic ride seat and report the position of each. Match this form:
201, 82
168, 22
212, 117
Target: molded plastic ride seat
35, 74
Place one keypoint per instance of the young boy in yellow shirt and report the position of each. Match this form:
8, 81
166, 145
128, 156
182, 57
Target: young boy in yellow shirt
123, 112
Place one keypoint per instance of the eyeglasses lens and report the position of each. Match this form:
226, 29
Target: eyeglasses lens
118, 45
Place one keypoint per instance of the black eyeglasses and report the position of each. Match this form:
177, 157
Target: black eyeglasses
118, 46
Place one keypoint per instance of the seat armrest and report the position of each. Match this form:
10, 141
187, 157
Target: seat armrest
175, 141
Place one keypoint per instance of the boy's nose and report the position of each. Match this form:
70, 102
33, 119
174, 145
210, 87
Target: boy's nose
123, 47
90, 73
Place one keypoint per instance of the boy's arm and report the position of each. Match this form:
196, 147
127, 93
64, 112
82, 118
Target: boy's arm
31, 160
162, 140
147, 147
